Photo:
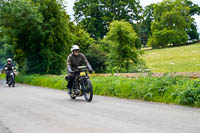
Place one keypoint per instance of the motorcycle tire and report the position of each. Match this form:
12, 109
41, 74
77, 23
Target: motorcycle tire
88, 90
13, 81
10, 82
13, 85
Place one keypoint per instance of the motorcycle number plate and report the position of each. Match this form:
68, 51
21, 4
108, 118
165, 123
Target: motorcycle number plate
82, 73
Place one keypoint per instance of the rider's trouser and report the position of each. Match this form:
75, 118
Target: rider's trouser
71, 79
7, 77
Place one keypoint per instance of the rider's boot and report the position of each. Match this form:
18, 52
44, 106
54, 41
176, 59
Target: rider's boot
69, 91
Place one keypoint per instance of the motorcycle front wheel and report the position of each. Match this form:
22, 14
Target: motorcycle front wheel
88, 90
13, 81
10, 81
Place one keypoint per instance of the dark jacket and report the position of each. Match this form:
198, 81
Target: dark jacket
74, 61
9, 66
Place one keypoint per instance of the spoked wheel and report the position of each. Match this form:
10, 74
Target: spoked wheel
88, 91
10, 81
13, 85
13, 81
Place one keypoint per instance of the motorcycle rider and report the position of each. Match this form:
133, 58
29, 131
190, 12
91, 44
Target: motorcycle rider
8, 67
73, 61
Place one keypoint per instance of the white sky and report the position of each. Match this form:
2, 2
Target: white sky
70, 4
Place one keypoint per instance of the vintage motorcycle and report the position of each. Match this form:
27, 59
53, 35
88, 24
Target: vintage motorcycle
11, 77
82, 85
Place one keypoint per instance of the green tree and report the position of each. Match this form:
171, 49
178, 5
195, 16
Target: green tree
40, 33
81, 37
145, 25
171, 20
6, 50
20, 21
96, 15
97, 58
122, 39
194, 10
57, 39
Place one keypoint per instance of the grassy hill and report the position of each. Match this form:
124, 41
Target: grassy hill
176, 59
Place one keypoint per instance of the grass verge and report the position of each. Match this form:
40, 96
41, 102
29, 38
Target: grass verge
175, 59
175, 90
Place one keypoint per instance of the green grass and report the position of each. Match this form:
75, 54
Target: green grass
51, 81
175, 90
2, 76
176, 59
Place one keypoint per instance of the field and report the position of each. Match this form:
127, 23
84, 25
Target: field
175, 59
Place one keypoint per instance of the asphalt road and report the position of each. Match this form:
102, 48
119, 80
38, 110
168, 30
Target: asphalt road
29, 109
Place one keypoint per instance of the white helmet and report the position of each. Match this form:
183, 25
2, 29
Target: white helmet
9, 59
75, 47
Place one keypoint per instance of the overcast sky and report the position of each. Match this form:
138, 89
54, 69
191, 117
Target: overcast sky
70, 4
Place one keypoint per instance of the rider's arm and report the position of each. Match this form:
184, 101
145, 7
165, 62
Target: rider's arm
5, 67
69, 69
13, 67
89, 67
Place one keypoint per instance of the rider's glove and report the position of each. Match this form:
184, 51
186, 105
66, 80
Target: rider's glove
72, 72
90, 71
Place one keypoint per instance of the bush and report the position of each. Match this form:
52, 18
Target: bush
164, 89
2, 76
122, 43
97, 58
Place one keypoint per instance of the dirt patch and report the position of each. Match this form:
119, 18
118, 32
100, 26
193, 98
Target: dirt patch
155, 74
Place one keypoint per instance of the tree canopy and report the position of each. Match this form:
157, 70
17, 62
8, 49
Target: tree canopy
96, 15
194, 10
39, 32
171, 21
122, 40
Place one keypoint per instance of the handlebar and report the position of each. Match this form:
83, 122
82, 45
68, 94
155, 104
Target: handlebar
82, 67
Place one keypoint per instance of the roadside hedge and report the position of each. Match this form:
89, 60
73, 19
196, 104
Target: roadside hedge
166, 89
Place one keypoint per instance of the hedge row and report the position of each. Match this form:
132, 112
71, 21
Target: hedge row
166, 89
